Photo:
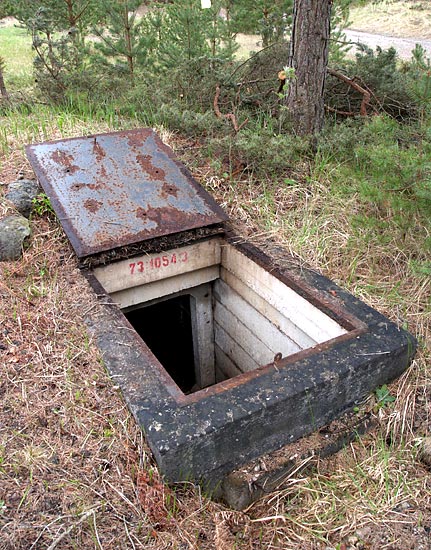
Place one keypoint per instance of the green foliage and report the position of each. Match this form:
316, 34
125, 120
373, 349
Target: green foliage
420, 82
386, 164
41, 205
383, 397
122, 45
269, 19
261, 152
379, 72
249, 89
192, 84
338, 46
221, 35
75, 16
186, 32
57, 59
397, 167
272, 20
58, 30
6, 8
183, 34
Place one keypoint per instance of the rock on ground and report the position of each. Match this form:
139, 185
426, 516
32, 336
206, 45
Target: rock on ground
21, 194
425, 452
13, 231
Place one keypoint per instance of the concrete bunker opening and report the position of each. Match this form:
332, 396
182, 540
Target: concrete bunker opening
267, 350
209, 313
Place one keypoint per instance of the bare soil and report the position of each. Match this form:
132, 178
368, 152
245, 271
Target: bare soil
400, 18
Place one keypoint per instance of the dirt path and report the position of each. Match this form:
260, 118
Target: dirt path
404, 46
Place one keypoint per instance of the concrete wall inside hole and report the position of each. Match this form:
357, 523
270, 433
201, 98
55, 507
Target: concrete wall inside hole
242, 316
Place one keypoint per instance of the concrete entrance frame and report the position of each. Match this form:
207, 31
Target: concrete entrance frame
206, 434
278, 350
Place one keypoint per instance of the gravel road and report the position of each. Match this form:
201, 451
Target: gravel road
404, 46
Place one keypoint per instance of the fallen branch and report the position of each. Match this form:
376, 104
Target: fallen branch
366, 95
229, 116
338, 112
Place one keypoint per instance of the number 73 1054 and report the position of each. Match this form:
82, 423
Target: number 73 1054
157, 262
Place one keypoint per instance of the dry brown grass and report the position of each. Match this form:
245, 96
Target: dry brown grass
75, 471
376, 490
74, 468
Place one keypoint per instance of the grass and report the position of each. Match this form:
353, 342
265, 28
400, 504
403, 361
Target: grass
75, 470
15, 49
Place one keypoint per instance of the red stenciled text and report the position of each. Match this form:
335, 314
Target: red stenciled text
158, 262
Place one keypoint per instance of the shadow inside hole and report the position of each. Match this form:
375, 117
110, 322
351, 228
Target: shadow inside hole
166, 328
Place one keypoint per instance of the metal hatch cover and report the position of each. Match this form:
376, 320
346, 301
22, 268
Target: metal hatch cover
120, 188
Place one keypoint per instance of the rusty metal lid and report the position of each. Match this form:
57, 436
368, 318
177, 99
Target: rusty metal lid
115, 189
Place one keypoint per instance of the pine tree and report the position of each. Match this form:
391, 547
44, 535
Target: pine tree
74, 16
58, 29
124, 43
271, 19
6, 8
308, 59
186, 33
220, 33
183, 35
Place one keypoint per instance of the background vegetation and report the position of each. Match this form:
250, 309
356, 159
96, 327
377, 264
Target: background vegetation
356, 206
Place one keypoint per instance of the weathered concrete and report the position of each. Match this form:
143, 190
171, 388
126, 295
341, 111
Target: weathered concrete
22, 193
14, 229
205, 435
264, 475
302, 350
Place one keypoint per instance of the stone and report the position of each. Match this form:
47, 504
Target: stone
13, 231
21, 194
425, 452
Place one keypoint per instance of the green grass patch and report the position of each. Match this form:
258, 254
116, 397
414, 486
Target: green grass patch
15, 49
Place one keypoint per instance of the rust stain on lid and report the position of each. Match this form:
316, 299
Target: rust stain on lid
111, 190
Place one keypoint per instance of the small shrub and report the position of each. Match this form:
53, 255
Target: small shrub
388, 160
378, 72
190, 123
261, 152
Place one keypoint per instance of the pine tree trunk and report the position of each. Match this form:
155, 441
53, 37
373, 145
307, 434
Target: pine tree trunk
309, 48
3, 90
128, 44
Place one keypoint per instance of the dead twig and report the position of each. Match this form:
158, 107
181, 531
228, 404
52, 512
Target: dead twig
229, 116
71, 528
366, 95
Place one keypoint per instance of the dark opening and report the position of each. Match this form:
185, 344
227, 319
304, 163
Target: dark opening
166, 328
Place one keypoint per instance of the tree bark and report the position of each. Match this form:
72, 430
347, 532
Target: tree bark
3, 91
309, 49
